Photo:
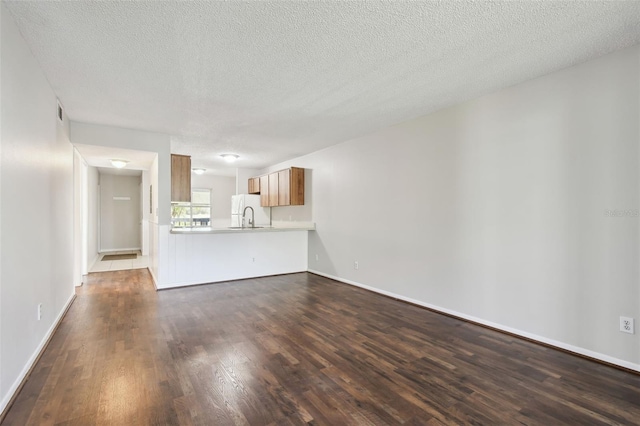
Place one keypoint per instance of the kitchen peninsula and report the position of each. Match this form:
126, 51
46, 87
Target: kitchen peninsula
207, 255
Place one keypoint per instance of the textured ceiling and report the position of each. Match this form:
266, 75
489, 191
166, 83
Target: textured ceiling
273, 80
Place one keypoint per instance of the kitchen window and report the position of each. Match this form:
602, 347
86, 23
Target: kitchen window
197, 213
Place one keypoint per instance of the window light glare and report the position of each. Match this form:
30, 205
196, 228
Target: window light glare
198, 171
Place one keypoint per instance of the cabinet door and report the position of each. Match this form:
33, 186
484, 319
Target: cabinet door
264, 191
254, 185
273, 189
180, 178
283, 187
296, 188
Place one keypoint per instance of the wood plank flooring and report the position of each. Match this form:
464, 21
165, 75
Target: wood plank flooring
299, 349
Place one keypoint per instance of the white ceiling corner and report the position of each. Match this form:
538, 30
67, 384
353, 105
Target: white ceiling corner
100, 157
274, 80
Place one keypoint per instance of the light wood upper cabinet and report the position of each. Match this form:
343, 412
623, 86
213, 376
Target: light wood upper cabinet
281, 188
273, 189
254, 185
296, 187
180, 178
264, 190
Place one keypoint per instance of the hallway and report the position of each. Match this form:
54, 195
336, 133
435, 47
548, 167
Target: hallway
102, 265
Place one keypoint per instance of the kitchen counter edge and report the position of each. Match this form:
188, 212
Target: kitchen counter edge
207, 230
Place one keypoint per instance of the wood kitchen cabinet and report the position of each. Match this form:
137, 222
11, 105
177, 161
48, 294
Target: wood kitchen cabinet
296, 187
282, 188
264, 190
273, 189
254, 185
284, 185
180, 178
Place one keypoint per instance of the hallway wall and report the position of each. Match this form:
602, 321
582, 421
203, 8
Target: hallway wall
36, 209
120, 215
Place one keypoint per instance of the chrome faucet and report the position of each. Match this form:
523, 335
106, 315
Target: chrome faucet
252, 221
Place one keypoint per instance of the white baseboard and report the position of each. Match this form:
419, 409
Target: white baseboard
93, 262
34, 357
153, 277
541, 339
120, 249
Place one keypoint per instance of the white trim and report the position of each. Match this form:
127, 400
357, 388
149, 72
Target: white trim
30, 363
120, 249
541, 339
93, 262
153, 277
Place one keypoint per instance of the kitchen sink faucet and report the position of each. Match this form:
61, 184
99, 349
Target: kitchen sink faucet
252, 221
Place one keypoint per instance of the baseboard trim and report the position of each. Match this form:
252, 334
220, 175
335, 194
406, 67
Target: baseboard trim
153, 277
574, 350
120, 249
93, 262
17, 386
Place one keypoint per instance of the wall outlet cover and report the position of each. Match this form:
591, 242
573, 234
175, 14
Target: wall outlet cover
626, 325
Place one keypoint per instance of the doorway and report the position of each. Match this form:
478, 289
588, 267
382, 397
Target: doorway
111, 217
120, 220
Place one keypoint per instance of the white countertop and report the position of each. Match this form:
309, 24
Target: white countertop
278, 228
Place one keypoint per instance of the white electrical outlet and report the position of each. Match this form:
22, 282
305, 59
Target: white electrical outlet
355, 265
39, 311
253, 259
316, 257
626, 325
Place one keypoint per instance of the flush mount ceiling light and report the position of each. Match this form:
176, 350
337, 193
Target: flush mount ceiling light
198, 171
118, 164
230, 158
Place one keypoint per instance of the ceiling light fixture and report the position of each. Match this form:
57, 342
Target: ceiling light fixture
230, 158
118, 164
198, 171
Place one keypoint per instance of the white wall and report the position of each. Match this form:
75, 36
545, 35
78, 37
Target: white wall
222, 188
86, 193
120, 212
242, 179
145, 201
495, 209
36, 213
3, 395
93, 213
78, 253
155, 249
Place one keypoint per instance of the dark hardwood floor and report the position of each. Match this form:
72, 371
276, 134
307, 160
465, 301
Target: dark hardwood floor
299, 349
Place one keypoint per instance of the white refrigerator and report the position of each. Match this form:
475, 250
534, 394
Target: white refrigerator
238, 204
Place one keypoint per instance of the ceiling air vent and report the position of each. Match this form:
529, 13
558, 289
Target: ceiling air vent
60, 113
